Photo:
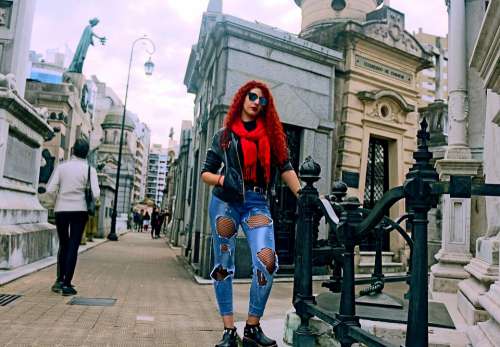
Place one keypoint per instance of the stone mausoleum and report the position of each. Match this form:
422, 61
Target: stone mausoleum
346, 92
25, 235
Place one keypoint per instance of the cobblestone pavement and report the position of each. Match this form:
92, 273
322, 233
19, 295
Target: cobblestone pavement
158, 303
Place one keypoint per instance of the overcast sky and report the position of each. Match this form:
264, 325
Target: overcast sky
161, 100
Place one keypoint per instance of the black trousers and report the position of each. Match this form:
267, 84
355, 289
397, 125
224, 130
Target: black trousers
70, 226
157, 230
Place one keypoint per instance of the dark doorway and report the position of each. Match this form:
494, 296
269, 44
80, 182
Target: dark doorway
377, 183
284, 205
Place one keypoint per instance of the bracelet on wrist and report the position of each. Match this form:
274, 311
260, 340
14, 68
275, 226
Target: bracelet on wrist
218, 181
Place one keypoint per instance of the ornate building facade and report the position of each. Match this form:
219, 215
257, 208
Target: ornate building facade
107, 155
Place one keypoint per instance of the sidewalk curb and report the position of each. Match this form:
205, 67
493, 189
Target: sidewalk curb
7, 276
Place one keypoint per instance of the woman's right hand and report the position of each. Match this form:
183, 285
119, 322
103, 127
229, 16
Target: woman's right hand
212, 179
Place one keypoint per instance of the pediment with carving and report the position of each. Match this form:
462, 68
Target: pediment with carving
395, 36
385, 105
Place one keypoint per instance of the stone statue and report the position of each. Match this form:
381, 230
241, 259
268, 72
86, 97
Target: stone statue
83, 46
48, 166
8, 82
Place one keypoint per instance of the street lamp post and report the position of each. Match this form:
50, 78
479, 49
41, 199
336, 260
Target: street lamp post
148, 66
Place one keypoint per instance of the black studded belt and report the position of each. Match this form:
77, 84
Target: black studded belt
256, 189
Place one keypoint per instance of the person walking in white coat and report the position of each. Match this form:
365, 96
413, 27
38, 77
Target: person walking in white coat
68, 183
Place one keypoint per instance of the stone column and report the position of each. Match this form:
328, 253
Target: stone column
457, 82
455, 249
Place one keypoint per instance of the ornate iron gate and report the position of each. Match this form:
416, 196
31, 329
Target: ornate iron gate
351, 224
377, 183
284, 204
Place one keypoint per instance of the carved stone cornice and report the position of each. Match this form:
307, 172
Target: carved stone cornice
25, 112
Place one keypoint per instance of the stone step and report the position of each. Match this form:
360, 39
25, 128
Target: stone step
369, 257
389, 267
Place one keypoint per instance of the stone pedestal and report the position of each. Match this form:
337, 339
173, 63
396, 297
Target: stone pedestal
487, 333
455, 243
484, 271
25, 235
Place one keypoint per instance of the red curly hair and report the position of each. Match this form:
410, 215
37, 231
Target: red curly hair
274, 128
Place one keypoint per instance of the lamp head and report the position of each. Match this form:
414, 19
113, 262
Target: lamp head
149, 67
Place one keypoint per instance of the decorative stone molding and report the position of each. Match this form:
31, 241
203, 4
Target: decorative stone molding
377, 95
5, 14
385, 105
486, 55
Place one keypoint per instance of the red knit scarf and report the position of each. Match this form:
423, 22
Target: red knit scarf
255, 144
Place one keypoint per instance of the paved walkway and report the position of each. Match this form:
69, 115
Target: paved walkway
158, 302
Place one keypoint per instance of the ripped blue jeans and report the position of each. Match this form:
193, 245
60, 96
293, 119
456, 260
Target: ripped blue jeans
255, 219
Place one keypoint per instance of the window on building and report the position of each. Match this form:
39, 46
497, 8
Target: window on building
115, 136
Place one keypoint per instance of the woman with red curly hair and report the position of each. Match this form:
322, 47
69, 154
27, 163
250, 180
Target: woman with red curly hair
252, 148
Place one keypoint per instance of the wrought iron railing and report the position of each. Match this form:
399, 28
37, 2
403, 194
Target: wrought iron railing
421, 191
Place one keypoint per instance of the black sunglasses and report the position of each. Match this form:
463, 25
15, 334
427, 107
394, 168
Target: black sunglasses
253, 97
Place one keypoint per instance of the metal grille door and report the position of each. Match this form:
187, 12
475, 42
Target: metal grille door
284, 205
377, 181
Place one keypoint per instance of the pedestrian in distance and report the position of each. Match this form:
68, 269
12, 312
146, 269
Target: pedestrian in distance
252, 146
129, 219
145, 220
163, 215
68, 183
136, 219
155, 220
141, 221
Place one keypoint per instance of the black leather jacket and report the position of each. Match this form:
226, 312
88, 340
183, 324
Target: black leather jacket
233, 188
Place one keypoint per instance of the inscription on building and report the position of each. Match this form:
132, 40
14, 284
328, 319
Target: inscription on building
351, 179
383, 69
20, 160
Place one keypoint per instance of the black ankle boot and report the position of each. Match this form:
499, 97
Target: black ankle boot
229, 339
255, 337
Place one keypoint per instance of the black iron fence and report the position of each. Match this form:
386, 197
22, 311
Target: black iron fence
421, 191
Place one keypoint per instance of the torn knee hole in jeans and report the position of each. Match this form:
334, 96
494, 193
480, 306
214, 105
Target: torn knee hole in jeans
261, 278
220, 273
268, 258
224, 248
225, 227
258, 220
